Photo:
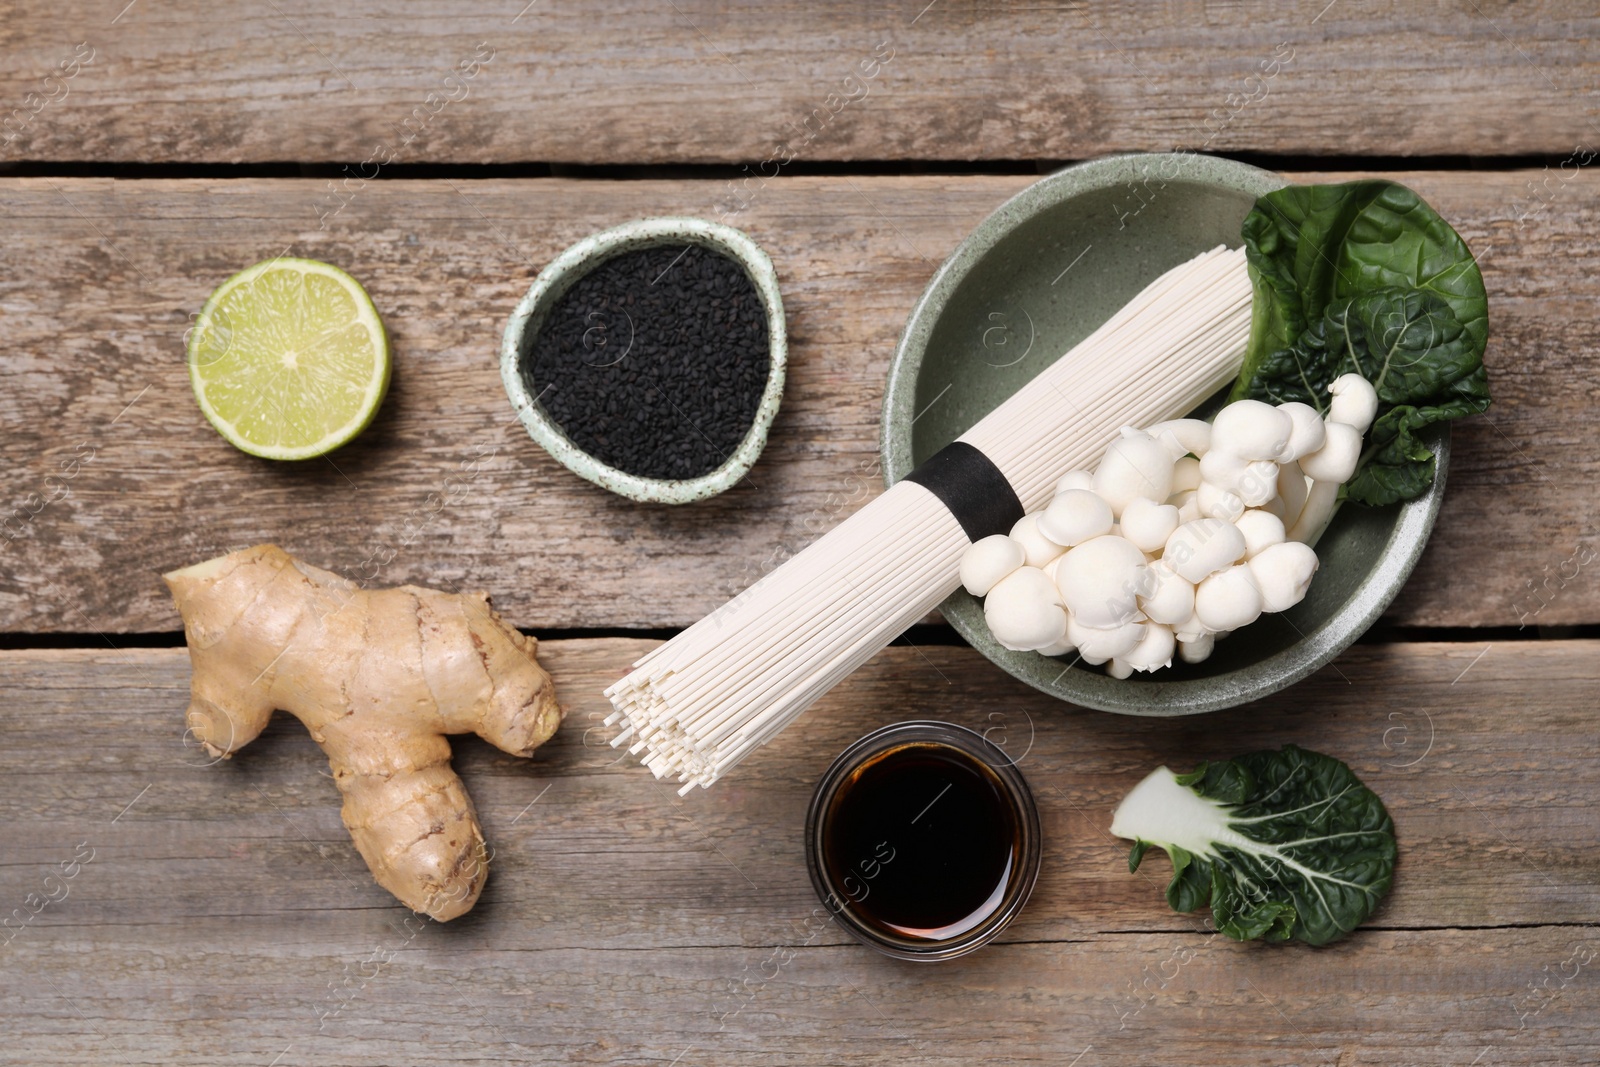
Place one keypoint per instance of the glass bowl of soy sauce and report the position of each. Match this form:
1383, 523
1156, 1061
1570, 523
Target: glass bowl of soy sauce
922, 839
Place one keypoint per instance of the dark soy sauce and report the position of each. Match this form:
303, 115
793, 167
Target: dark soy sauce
921, 841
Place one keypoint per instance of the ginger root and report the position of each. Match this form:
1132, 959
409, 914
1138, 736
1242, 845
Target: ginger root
378, 677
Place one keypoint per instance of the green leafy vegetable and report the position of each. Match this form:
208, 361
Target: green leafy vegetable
1365, 277
1282, 845
1420, 359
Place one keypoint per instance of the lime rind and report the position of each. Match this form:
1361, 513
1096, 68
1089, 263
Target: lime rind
289, 359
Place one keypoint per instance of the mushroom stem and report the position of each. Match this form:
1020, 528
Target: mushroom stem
1322, 503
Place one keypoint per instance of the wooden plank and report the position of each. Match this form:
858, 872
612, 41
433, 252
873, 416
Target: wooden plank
446, 489
750, 82
225, 914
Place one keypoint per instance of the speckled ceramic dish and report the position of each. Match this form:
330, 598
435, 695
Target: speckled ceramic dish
1034, 279
579, 260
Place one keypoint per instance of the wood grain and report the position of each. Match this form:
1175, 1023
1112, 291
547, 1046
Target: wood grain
224, 914
447, 490
694, 81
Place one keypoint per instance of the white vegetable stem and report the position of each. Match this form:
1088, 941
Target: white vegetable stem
1164, 813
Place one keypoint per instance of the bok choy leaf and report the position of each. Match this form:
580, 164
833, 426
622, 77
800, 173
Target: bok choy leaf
1286, 844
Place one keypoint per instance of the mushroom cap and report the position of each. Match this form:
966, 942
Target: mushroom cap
1135, 465
1098, 644
989, 559
1251, 430
1254, 482
1100, 581
1215, 502
1038, 548
1076, 516
1228, 599
1154, 650
1203, 547
1170, 599
1075, 480
1283, 574
1148, 524
1306, 435
1336, 460
1260, 528
1060, 648
1024, 611
1355, 402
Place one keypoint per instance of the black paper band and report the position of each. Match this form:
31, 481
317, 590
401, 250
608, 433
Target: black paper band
968, 483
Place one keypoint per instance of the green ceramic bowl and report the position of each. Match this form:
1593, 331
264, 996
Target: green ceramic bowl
584, 257
1034, 279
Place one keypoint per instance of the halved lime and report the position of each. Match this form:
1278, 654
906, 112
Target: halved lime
289, 359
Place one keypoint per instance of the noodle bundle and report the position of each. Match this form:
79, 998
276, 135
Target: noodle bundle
704, 700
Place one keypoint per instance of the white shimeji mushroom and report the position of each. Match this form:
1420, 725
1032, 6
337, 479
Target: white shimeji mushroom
1260, 484
1203, 547
1291, 491
1336, 460
1355, 402
1051, 567
1038, 548
1185, 474
1185, 533
1168, 598
1197, 648
1307, 433
1322, 500
1152, 653
1188, 505
1135, 465
1254, 482
1216, 502
1076, 516
1098, 644
1075, 480
1060, 648
1228, 599
1250, 429
1100, 581
989, 559
1024, 611
1148, 524
1222, 469
1261, 530
1183, 436
1190, 629
1283, 573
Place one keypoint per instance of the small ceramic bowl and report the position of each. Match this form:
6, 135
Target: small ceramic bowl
584, 257
1034, 279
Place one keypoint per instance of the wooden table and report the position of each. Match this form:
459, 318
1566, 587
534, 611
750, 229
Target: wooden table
219, 914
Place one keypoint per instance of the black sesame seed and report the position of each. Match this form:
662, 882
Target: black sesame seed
655, 361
